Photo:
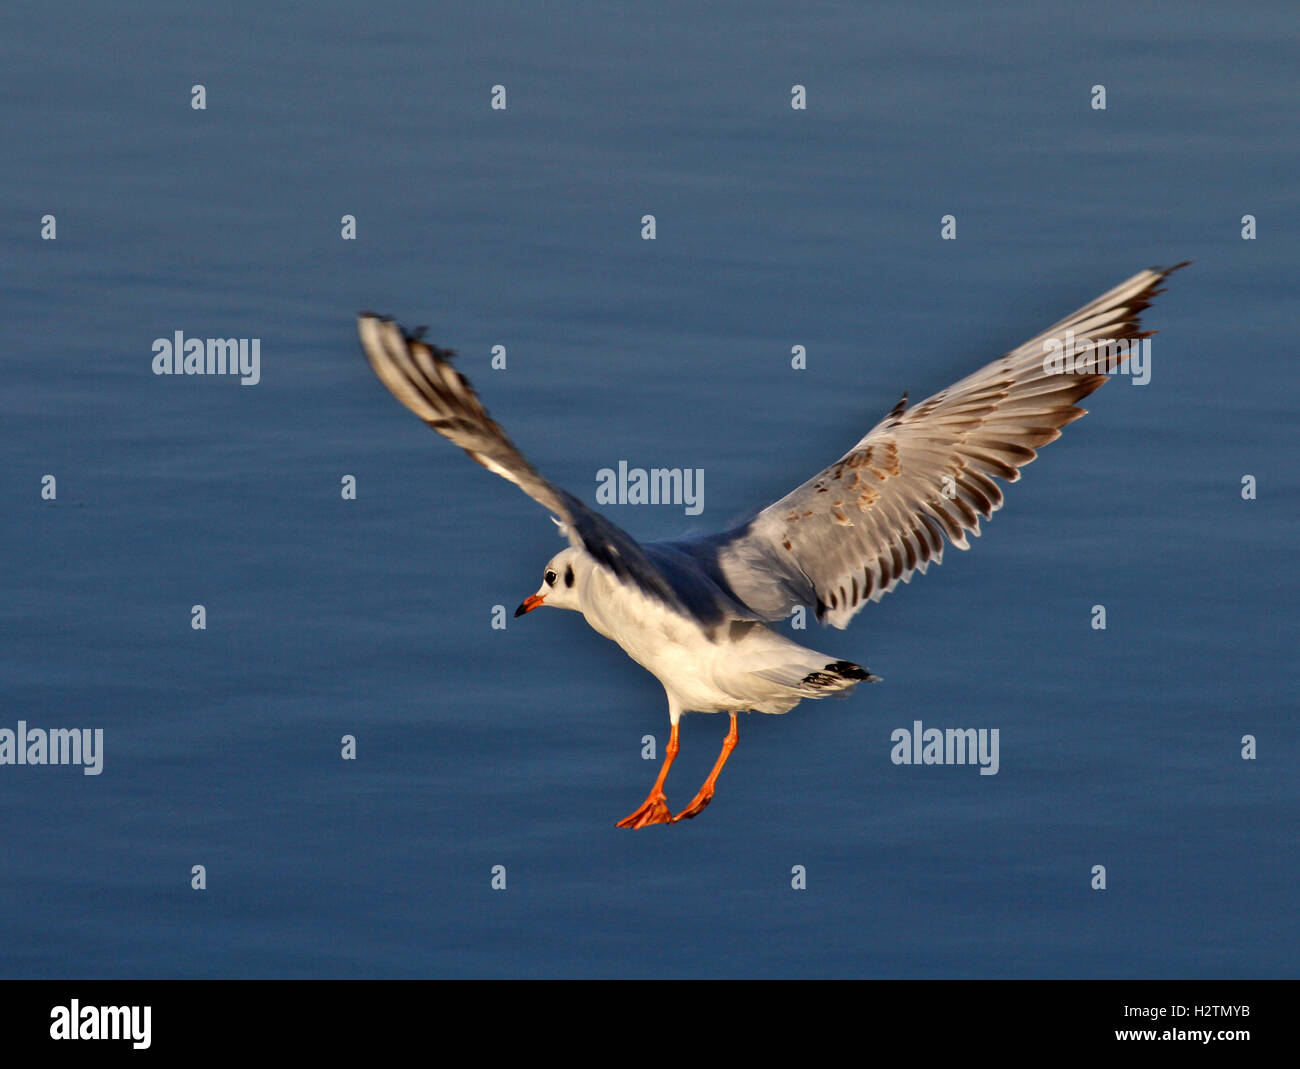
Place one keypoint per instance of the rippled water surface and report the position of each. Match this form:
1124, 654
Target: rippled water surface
522, 228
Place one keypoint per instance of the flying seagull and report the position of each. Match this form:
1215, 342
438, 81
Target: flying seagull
695, 611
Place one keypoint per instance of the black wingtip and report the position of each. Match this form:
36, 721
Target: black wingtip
848, 670
1165, 272
411, 337
837, 672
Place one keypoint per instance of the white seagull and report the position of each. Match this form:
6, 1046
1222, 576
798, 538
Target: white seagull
694, 612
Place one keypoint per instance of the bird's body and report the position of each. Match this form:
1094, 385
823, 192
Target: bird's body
735, 666
694, 612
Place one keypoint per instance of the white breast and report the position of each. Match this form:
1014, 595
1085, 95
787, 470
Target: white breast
745, 666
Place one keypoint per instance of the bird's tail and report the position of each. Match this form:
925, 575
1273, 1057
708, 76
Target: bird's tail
820, 681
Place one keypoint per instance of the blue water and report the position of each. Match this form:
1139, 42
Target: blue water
521, 748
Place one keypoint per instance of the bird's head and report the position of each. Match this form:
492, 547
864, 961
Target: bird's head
560, 584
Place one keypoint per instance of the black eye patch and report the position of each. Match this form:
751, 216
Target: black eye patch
568, 575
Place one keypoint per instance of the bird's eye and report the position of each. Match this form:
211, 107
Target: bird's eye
549, 577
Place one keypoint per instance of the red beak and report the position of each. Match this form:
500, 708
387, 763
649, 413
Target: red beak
530, 603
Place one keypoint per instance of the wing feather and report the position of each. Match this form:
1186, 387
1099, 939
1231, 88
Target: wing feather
422, 378
881, 512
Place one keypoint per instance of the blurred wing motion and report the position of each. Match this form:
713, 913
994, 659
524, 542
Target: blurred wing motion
882, 510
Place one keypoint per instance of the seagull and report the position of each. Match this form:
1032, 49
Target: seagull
695, 611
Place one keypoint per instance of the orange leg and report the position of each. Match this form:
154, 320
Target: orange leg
705, 795
654, 810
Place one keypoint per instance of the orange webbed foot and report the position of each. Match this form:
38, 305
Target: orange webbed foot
654, 810
695, 808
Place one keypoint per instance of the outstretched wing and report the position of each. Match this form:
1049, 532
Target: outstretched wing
881, 511
421, 376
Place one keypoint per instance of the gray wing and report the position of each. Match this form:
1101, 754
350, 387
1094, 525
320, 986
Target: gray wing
882, 511
421, 376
